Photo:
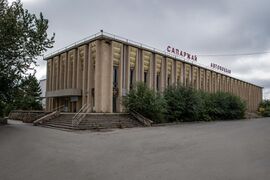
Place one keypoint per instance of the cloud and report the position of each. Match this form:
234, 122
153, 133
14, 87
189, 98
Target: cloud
199, 26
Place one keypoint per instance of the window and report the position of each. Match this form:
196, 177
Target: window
178, 80
131, 78
145, 77
157, 83
115, 76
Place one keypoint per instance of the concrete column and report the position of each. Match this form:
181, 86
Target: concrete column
150, 72
127, 69
213, 82
103, 77
154, 85
173, 73
53, 76
158, 72
147, 57
48, 104
182, 78
82, 72
166, 73
224, 84
191, 76
138, 66
48, 81
47, 108
230, 84
200, 81
209, 81
141, 69
195, 77
188, 72
68, 71
81, 56
163, 74
65, 74
174, 76
204, 80
74, 70
218, 82
184, 74
56, 73
146, 66
71, 69
61, 71
119, 106
91, 73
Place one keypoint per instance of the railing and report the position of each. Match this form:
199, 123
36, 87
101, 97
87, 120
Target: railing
55, 113
46, 118
145, 121
57, 109
80, 115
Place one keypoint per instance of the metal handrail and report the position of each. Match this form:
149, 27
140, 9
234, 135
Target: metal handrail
79, 111
141, 118
59, 107
78, 117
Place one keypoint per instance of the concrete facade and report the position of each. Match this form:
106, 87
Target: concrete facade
100, 71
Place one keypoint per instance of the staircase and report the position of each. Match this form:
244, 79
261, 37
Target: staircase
94, 121
63, 121
108, 121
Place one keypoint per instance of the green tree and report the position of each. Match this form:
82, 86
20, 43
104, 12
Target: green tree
183, 103
23, 37
29, 94
264, 108
146, 102
224, 106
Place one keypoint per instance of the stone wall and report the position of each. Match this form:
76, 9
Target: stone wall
26, 116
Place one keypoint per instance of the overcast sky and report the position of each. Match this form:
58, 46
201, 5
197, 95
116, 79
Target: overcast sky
200, 27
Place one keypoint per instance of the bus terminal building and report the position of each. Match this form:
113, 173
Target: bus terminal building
100, 70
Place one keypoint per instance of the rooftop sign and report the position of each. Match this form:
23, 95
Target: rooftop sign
220, 68
184, 54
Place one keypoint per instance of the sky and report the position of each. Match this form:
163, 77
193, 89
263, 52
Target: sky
202, 27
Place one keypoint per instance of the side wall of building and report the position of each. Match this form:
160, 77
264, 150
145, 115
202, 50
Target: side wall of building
99, 73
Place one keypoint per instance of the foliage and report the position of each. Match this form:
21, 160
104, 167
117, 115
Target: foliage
146, 102
223, 105
264, 108
23, 37
183, 103
27, 96
180, 103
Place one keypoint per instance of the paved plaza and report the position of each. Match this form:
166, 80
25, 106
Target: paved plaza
206, 151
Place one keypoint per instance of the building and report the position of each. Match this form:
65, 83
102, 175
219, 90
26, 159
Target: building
100, 70
42, 85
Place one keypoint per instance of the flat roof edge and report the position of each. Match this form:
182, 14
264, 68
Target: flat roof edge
105, 35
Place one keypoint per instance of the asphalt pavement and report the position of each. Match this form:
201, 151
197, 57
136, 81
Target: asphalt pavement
222, 150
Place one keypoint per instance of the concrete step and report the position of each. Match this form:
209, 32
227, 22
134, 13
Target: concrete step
94, 121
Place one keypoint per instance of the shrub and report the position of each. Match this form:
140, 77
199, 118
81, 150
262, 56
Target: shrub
222, 105
183, 103
264, 108
146, 102
180, 103
204, 113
